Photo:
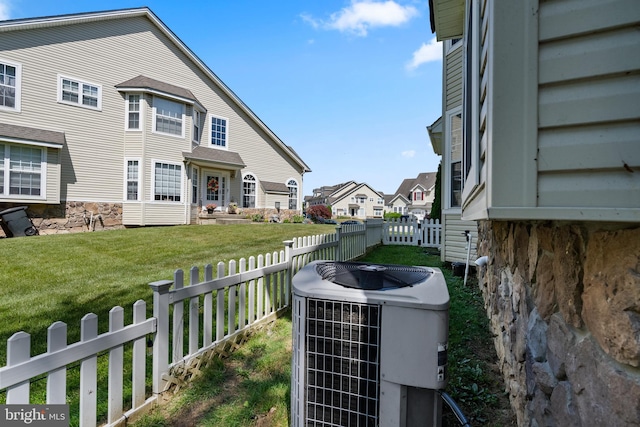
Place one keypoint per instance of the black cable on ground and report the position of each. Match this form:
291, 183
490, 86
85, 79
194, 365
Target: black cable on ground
455, 408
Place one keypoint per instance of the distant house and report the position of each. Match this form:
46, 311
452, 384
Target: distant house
109, 115
414, 196
349, 199
549, 168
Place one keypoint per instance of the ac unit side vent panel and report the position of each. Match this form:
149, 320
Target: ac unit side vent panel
342, 363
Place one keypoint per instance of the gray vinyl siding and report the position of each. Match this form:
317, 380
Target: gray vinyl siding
589, 87
453, 80
92, 162
561, 127
454, 248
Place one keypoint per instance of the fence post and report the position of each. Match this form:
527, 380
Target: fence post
288, 247
161, 340
339, 251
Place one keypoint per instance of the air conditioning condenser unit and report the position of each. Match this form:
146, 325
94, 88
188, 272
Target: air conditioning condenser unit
369, 345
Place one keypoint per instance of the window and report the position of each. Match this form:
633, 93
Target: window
22, 169
133, 180
418, 195
293, 194
167, 182
196, 125
76, 92
249, 191
168, 116
218, 131
133, 112
455, 135
194, 186
10, 76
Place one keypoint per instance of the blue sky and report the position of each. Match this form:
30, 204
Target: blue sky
350, 84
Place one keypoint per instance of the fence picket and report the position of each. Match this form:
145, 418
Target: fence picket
220, 306
139, 360
242, 297
207, 326
178, 319
116, 367
88, 374
194, 313
18, 350
57, 379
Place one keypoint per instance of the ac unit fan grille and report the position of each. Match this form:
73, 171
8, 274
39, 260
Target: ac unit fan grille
367, 276
342, 366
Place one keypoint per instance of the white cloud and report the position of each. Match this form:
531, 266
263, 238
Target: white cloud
428, 52
5, 5
408, 153
363, 15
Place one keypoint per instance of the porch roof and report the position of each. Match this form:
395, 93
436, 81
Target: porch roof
274, 187
31, 136
204, 156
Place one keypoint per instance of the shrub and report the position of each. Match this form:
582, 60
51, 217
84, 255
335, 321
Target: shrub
257, 218
319, 211
297, 219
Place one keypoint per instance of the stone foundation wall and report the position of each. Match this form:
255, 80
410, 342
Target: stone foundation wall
73, 217
284, 214
564, 305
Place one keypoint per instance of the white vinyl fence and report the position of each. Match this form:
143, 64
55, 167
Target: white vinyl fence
192, 323
413, 232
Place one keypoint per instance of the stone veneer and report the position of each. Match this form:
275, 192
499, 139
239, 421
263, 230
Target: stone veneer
564, 304
73, 217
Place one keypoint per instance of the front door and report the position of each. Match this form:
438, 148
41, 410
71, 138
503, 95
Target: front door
216, 189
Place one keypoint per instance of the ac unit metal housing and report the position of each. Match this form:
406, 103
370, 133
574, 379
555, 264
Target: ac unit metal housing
369, 345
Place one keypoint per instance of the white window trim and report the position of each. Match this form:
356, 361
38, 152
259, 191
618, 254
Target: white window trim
449, 46
226, 141
126, 112
153, 119
446, 155
43, 173
126, 178
298, 193
18, 106
79, 103
152, 184
471, 181
196, 117
257, 182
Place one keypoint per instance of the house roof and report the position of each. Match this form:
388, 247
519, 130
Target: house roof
425, 180
447, 18
274, 187
209, 156
435, 135
32, 136
77, 18
148, 84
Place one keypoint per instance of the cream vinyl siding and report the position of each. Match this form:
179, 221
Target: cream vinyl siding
107, 53
53, 175
454, 247
453, 82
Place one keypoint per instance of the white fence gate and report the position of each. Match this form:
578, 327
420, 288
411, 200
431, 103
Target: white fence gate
412, 232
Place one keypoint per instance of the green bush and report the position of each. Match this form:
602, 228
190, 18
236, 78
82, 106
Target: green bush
392, 215
257, 217
297, 219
